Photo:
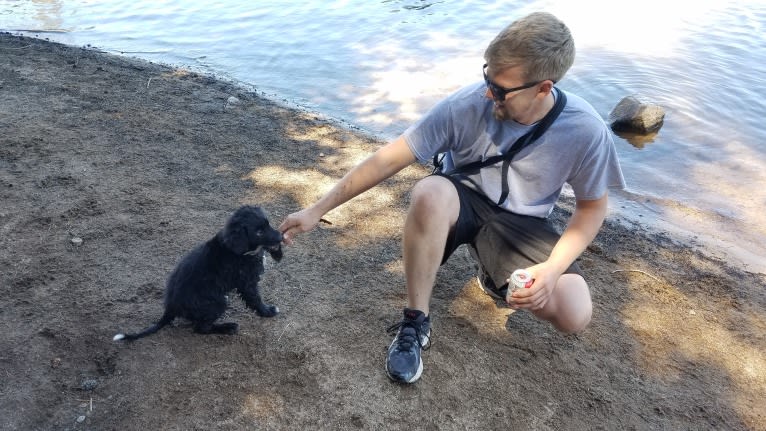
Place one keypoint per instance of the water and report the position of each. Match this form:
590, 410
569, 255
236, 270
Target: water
380, 64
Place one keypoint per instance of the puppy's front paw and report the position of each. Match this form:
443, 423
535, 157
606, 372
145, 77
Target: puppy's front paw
267, 311
229, 328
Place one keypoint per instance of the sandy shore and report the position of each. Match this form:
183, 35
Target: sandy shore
112, 168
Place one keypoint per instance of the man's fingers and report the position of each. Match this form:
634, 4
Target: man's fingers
284, 226
287, 234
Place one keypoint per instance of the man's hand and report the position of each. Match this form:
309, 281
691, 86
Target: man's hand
298, 222
536, 296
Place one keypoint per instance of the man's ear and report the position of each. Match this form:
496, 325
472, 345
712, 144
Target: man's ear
546, 87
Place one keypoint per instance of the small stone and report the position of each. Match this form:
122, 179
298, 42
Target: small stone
89, 384
321, 154
637, 115
232, 101
77, 241
595, 249
692, 312
81, 419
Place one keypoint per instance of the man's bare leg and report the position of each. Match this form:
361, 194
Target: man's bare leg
434, 209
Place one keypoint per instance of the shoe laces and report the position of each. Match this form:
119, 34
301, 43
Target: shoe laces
408, 338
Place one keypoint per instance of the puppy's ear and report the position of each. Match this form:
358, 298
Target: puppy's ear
234, 237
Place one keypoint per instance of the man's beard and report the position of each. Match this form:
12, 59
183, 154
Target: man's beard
500, 113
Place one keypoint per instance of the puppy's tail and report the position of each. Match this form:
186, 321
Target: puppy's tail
165, 320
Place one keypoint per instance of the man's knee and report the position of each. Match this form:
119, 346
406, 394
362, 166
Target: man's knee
434, 197
572, 305
576, 321
433, 190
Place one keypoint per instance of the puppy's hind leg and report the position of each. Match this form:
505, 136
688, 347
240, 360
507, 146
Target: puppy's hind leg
207, 327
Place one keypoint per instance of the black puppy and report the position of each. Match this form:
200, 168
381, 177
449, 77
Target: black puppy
232, 259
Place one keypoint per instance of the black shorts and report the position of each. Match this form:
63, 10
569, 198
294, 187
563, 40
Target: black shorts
503, 241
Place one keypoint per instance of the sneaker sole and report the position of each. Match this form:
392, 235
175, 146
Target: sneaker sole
412, 380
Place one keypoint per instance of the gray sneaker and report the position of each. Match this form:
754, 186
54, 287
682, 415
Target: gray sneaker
485, 281
413, 334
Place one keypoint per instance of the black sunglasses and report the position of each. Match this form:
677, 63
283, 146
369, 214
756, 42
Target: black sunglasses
498, 92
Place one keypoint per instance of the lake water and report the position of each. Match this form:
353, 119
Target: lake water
378, 65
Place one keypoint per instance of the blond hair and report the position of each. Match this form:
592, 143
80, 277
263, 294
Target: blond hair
540, 43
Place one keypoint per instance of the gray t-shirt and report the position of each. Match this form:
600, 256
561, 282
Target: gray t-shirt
577, 149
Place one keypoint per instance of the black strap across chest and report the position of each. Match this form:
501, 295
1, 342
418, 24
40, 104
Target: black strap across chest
520, 143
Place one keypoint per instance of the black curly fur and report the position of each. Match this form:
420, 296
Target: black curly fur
233, 259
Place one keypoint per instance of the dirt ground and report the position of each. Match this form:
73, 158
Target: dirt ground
140, 162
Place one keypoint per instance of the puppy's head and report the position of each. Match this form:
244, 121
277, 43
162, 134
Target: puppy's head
248, 231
